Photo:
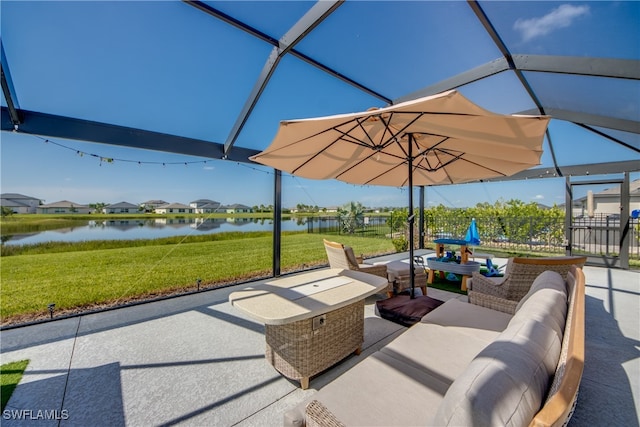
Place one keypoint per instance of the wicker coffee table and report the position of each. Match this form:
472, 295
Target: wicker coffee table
312, 320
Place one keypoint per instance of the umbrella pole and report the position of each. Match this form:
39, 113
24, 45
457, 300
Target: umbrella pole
411, 216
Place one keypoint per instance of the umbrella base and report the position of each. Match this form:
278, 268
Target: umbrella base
405, 311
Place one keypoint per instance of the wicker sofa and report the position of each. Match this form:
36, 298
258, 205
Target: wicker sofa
503, 293
465, 364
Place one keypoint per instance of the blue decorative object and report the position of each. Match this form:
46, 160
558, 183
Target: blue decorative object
473, 236
491, 270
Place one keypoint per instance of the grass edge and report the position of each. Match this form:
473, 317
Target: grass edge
10, 376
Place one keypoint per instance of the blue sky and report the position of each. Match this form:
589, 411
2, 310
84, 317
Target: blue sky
158, 69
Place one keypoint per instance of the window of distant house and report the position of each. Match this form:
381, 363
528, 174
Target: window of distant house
181, 210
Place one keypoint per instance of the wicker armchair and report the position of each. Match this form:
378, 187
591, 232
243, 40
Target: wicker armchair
503, 293
341, 256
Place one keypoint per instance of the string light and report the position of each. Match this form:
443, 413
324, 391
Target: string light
103, 159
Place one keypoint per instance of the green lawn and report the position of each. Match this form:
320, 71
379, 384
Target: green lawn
10, 376
87, 278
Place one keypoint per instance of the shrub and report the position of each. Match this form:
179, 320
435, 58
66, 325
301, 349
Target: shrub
400, 243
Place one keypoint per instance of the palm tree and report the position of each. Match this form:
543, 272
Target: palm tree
351, 217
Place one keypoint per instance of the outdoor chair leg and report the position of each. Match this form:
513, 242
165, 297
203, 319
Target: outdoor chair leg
463, 287
304, 383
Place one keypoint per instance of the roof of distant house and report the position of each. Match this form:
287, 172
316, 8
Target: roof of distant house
16, 196
12, 202
634, 188
121, 205
64, 204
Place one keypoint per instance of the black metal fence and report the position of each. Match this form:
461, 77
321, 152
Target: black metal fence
598, 235
367, 226
601, 235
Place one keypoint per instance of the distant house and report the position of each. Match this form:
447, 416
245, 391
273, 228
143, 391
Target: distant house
122, 207
172, 208
207, 206
19, 203
578, 208
607, 202
151, 205
238, 208
64, 207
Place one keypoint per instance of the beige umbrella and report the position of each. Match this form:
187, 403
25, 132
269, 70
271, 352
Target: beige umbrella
439, 139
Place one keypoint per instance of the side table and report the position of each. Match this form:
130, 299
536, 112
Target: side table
465, 268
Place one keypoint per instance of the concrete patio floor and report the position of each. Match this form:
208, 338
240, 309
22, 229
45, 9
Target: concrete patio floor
195, 360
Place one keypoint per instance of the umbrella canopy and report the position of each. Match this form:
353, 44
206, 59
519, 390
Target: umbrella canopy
453, 141
472, 236
439, 139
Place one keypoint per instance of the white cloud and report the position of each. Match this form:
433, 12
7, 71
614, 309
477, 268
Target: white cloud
560, 17
538, 197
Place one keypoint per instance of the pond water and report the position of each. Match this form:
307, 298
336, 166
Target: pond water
130, 229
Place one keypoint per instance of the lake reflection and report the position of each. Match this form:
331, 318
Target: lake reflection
129, 229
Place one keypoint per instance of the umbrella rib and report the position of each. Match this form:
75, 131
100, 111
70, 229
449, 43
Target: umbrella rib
383, 173
483, 166
393, 137
335, 128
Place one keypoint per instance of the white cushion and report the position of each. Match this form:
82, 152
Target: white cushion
506, 383
546, 279
391, 393
436, 349
545, 302
472, 320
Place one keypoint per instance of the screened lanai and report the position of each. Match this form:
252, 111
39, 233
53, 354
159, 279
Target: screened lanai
212, 80
172, 90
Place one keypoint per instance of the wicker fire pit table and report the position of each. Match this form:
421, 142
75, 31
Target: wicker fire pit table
312, 320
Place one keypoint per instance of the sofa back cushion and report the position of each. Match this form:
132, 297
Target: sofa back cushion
545, 302
546, 279
507, 382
